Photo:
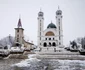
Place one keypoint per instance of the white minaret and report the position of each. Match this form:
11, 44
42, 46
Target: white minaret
40, 28
59, 27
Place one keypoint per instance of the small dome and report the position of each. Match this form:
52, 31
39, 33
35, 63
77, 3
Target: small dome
58, 12
40, 13
51, 25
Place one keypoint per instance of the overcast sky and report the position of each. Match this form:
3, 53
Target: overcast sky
73, 17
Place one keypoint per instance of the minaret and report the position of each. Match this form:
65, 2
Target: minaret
19, 33
40, 27
59, 27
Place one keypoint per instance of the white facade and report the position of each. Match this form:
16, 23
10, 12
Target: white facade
50, 39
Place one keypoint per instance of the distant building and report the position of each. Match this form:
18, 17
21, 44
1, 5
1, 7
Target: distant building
51, 38
19, 37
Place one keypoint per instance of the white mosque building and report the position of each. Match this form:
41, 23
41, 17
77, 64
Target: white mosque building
50, 39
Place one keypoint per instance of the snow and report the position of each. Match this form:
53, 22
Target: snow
27, 62
16, 49
22, 64
51, 64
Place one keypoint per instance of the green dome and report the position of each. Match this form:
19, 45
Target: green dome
51, 25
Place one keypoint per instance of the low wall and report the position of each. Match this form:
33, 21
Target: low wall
61, 55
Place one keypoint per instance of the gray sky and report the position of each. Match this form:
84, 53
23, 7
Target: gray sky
73, 17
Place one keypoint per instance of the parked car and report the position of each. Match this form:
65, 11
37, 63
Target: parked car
67, 48
82, 50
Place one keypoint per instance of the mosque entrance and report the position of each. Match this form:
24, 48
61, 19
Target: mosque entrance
49, 44
45, 44
54, 44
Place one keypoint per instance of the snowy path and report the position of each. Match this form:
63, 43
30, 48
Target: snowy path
5, 63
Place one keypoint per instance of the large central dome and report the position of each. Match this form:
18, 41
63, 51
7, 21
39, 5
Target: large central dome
51, 25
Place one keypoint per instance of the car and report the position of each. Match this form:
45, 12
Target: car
82, 50
67, 48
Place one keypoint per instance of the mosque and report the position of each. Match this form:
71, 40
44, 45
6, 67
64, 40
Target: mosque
50, 39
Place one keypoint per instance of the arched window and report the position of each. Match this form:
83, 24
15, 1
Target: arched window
54, 44
53, 38
18, 30
49, 38
49, 44
45, 38
44, 44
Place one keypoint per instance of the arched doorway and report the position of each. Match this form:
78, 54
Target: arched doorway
49, 44
54, 44
44, 44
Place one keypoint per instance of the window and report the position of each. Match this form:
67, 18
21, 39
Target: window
53, 44
18, 36
40, 28
17, 39
40, 38
40, 24
59, 27
59, 43
58, 19
59, 37
59, 32
54, 49
40, 43
40, 33
40, 20
49, 44
49, 38
18, 30
53, 38
45, 38
45, 44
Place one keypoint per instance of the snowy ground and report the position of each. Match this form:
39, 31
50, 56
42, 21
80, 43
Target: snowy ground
6, 63
48, 64
33, 63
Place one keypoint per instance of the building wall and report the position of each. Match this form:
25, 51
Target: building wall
19, 35
27, 46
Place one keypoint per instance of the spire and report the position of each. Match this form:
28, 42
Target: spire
40, 9
58, 7
51, 21
40, 13
19, 23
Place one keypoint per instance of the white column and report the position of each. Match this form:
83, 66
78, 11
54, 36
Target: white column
40, 28
59, 27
